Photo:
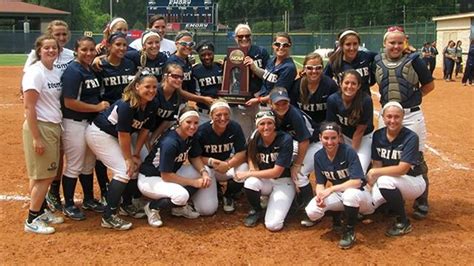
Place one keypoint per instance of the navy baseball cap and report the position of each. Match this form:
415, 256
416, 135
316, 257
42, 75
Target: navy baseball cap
279, 94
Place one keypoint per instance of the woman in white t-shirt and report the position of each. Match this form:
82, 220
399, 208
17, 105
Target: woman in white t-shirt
42, 131
60, 32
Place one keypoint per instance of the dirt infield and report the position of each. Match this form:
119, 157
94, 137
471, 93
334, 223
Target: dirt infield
445, 237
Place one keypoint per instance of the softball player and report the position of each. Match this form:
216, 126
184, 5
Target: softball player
269, 156
221, 145
116, 72
348, 56
279, 72
208, 75
413, 81
469, 69
60, 31
81, 98
158, 23
109, 137
41, 132
115, 25
339, 164
292, 120
396, 173
310, 92
169, 184
353, 111
149, 57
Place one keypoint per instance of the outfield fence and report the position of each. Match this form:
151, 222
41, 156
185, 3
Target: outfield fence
303, 43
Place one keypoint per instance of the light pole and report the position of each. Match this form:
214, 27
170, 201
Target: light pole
110, 5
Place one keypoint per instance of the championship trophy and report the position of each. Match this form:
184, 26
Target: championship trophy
235, 83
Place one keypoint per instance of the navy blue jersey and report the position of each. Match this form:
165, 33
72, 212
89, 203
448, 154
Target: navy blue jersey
338, 113
116, 78
363, 64
316, 106
209, 80
189, 84
424, 77
155, 66
81, 84
121, 117
167, 155
281, 75
261, 57
403, 148
343, 167
167, 109
219, 146
298, 124
280, 153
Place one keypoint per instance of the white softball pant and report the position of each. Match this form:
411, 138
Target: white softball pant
411, 187
230, 174
79, 158
351, 197
204, 200
281, 192
365, 150
107, 149
308, 162
415, 121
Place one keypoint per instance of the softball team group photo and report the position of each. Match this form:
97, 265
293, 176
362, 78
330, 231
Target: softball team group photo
303, 144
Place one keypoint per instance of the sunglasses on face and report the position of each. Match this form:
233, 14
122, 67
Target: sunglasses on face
187, 44
242, 36
176, 76
395, 29
313, 67
282, 44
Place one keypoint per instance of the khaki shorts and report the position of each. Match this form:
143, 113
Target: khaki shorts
46, 165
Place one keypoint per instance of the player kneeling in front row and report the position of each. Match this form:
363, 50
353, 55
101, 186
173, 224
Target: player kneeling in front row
396, 172
270, 153
169, 184
339, 164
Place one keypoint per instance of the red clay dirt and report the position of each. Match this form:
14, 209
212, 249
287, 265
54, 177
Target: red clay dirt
445, 237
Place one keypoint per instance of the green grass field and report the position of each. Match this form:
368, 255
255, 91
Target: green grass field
19, 59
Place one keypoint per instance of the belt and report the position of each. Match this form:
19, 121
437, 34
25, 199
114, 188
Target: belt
412, 109
81, 120
204, 111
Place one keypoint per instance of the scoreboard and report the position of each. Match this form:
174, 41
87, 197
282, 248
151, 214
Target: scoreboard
185, 14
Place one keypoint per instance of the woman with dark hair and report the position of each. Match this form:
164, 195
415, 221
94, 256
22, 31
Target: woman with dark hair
353, 111
449, 59
109, 137
157, 23
458, 58
339, 164
269, 157
348, 56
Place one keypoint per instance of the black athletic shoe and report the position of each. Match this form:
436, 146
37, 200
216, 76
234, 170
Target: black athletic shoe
115, 222
252, 218
93, 205
348, 239
420, 210
74, 213
54, 202
399, 229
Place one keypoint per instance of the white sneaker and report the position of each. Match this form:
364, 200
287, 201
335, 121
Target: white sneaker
154, 218
49, 218
185, 211
38, 226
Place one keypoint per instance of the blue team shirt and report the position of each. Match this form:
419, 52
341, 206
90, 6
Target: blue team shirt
336, 112
220, 147
316, 106
403, 148
121, 117
363, 63
342, 168
261, 57
81, 84
189, 84
167, 155
298, 124
209, 80
167, 110
155, 66
281, 75
116, 78
279, 152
